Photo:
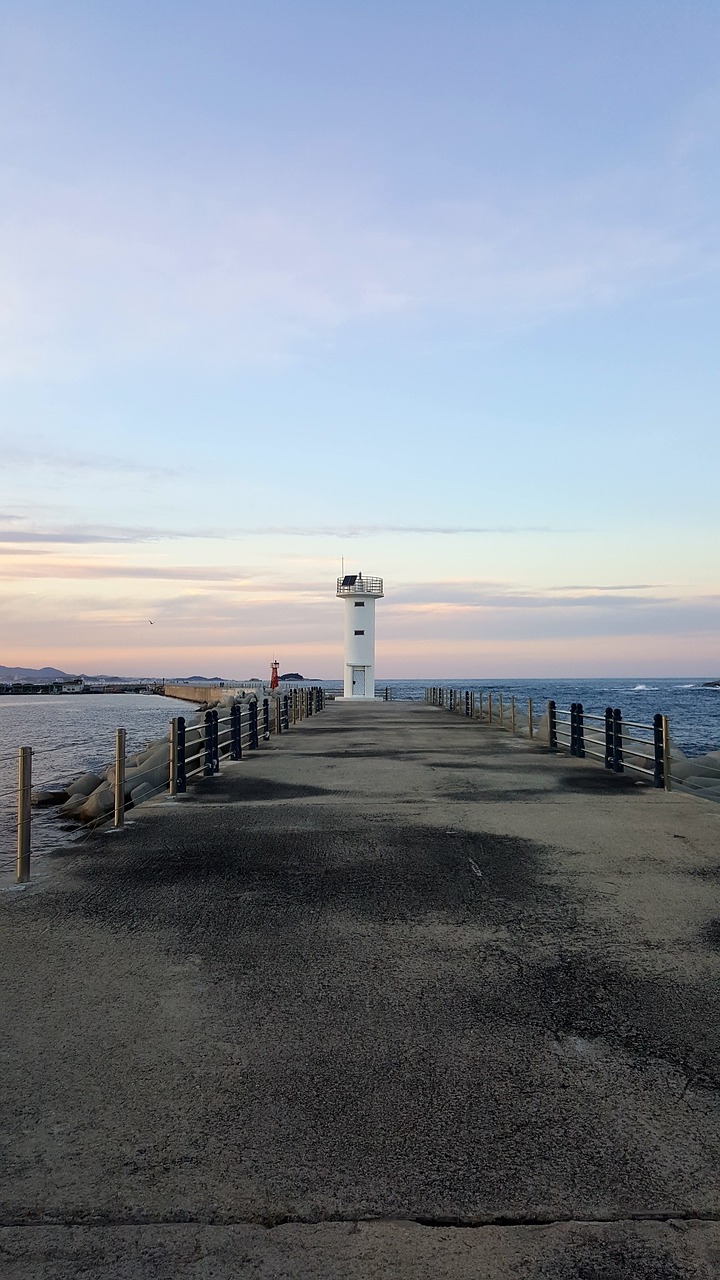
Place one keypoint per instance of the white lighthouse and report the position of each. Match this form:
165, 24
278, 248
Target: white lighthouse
359, 595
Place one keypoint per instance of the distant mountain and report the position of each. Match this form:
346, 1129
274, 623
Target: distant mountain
291, 675
45, 675
38, 675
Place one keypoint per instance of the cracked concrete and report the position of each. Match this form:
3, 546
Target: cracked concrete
424, 997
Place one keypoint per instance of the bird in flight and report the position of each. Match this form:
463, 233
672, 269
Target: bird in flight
152, 624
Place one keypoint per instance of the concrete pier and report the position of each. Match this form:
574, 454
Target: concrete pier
398, 995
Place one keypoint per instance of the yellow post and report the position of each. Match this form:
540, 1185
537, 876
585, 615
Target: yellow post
24, 813
120, 778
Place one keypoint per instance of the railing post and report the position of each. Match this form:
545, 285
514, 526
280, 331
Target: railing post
235, 732
512, 713
24, 813
472, 706
278, 716
502, 711
618, 765
208, 763
490, 708
667, 762
609, 734
552, 725
266, 720
254, 733
172, 788
659, 769
579, 731
573, 729
181, 780
531, 729
119, 819
216, 742
467, 702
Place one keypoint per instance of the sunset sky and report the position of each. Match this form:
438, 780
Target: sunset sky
430, 286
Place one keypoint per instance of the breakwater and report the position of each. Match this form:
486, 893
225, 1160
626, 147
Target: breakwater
403, 971
620, 744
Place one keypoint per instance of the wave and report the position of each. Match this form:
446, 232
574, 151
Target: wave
643, 688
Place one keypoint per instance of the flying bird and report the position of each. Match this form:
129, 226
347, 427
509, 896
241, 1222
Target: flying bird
152, 624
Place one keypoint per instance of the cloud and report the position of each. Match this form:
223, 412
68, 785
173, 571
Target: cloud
38, 455
100, 571
111, 533
94, 276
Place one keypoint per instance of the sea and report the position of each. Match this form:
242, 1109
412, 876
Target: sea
73, 733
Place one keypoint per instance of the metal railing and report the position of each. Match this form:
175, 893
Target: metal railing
193, 751
620, 745
355, 585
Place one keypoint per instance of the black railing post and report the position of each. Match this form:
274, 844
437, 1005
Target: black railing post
254, 735
618, 765
579, 730
659, 770
266, 719
552, 725
208, 764
286, 711
609, 736
181, 777
215, 741
235, 743
467, 702
573, 729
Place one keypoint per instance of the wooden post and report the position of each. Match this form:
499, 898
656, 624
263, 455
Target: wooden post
531, 729
489, 708
512, 714
24, 813
120, 778
502, 711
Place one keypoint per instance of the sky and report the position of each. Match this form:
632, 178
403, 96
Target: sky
429, 288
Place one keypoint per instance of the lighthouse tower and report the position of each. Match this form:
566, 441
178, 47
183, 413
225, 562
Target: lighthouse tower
359, 595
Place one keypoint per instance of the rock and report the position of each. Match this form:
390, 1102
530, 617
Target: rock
97, 805
85, 785
43, 799
72, 806
141, 792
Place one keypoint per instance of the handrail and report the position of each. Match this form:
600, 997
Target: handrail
218, 738
567, 729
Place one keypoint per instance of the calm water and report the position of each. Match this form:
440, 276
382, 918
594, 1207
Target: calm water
69, 734
74, 733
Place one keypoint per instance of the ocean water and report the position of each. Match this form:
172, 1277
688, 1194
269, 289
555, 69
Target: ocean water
693, 711
74, 733
70, 734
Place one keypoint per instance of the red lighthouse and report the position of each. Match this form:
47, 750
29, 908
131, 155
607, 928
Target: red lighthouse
274, 682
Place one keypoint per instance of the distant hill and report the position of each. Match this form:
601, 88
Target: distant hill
44, 675
291, 675
36, 674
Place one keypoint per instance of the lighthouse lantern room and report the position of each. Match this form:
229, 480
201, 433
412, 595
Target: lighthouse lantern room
359, 595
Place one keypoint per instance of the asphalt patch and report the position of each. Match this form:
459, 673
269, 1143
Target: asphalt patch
602, 782
243, 789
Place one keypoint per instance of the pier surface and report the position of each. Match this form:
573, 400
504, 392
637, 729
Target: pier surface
397, 995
